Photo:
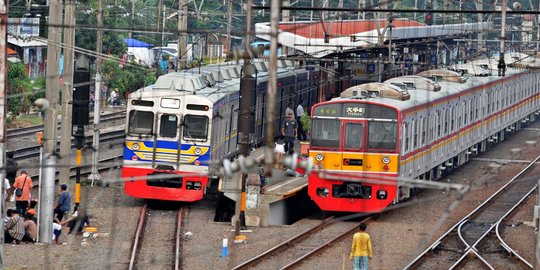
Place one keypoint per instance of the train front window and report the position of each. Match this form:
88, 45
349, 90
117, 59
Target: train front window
325, 132
168, 125
195, 127
141, 123
354, 136
382, 135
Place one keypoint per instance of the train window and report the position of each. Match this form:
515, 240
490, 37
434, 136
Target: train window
423, 129
406, 135
140, 102
141, 122
196, 127
168, 126
325, 132
382, 135
439, 124
415, 134
354, 136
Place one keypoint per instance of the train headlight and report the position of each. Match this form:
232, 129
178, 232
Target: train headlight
319, 157
198, 151
322, 192
386, 159
381, 194
135, 146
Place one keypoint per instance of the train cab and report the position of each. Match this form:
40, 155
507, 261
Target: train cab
354, 145
167, 149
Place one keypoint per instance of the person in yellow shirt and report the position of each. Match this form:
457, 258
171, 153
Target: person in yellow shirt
361, 248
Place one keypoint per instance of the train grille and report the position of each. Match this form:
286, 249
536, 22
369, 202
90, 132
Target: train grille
351, 190
168, 180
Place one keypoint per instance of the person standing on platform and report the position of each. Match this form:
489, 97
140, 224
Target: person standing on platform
361, 248
24, 183
289, 130
299, 113
289, 110
11, 171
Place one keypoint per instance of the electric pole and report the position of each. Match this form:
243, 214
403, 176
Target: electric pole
272, 89
229, 26
49, 136
97, 96
502, 65
285, 18
247, 89
3, 113
67, 91
182, 29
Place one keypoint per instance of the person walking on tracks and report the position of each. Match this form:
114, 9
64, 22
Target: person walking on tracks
11, 172
361, 248
23, 192
289, 131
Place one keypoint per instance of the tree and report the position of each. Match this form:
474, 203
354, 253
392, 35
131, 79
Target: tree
19, 89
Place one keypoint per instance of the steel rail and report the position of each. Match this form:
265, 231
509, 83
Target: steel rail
139, 233
178, 237
319, 248
468, 217
499, 236
295, 238
31, 130
33, 151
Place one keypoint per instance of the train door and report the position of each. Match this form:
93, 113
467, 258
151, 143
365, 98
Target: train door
353, 144
168, 141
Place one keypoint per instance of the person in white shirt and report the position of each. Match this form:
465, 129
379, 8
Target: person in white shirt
299, 112
289, 110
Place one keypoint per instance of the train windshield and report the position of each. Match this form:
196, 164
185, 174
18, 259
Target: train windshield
195, 127
141, 123
354, 136
168, 125
382, 135
325, 132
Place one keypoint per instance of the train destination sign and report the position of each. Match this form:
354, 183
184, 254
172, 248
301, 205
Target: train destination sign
355, 110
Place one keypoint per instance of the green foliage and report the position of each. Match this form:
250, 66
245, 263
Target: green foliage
306, 122
126, 79
19, 88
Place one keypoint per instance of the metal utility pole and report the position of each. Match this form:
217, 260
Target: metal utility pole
97, 96
247, 88
536, 228
272, 89
229, 26
67, 91
49, 136
285, 18
182, 28
502, 65
3, 113
132, 15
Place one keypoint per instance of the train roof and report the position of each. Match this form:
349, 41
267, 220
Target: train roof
422, 93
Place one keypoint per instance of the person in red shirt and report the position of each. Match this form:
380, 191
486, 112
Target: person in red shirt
24, 182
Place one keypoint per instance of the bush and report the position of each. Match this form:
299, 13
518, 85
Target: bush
305, 120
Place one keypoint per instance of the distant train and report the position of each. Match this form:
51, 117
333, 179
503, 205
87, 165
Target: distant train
412, 127
187, 119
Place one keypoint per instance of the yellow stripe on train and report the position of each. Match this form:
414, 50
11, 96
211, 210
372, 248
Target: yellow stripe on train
356, 161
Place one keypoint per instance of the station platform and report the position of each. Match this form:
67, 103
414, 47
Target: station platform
265, 208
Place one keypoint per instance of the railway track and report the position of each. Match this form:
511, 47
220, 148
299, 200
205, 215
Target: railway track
474, 241
31, 131
162, 238
299, 248
109, 164
33, 151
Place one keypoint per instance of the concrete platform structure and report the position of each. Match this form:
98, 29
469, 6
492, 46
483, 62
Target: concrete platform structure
268, 207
